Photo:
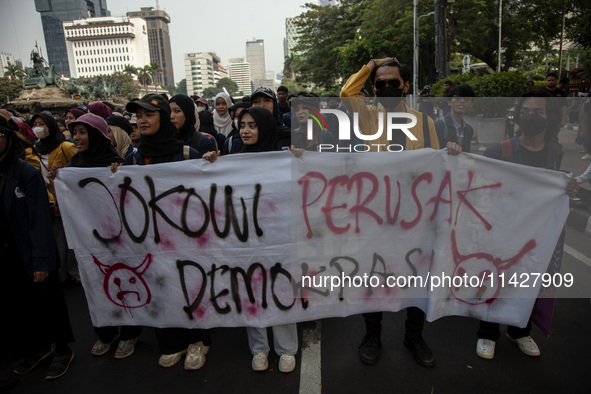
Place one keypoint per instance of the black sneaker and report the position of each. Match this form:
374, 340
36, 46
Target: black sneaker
420, 352
31, 362
369, 350
59, 365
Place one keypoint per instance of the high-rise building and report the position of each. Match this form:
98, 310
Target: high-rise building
200, 69
291, 36
240, 73
99, 46
159, 41
255, 55
53, 13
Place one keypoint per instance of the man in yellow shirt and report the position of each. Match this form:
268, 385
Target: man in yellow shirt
390, 83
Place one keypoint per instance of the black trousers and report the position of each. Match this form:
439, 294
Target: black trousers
491, 331
415, 320
173, 340
109, 333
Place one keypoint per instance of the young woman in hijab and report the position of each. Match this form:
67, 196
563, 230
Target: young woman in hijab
55, 153
73, 114
119, 132
160, 143
31, 296
94, 146
258, 130
183, 118
206, 127
221, 118
233, 143
61, 124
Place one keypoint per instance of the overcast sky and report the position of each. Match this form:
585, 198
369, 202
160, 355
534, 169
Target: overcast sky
221, 26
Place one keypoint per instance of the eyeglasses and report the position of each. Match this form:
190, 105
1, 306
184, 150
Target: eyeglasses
393, 83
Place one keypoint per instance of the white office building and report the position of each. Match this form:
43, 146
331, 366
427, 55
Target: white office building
5, 59
104, 45
200, 71
240, 73
291, 36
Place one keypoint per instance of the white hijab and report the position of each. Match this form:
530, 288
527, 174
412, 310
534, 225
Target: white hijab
223, 124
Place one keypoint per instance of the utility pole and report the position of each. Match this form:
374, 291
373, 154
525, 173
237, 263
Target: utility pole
440, 38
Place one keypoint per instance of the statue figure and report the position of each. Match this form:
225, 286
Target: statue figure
42, 73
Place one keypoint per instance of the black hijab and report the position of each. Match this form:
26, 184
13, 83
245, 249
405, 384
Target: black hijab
267, 128
160, 147
55, 137
186, 105
100, 152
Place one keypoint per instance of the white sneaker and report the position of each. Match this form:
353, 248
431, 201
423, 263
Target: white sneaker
586, 157
287, 363
526, 345
195, 357
260, 362
168, 360
485, 348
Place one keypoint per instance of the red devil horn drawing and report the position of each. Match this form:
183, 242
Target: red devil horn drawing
104, 268
144, 265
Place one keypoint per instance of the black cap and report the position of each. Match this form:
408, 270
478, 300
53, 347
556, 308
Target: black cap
151, 102
264, 91
120, 122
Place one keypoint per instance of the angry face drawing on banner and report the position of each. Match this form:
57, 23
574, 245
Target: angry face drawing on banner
124, 285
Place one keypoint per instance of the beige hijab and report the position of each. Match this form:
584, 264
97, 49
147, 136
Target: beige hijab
122, 140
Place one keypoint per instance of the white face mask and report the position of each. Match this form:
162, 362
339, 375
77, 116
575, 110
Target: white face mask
236, 124
41, 132
199, 109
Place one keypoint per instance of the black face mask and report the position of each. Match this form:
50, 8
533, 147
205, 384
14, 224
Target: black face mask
393, 96
531, 124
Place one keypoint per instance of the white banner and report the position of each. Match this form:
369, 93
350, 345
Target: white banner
268, 239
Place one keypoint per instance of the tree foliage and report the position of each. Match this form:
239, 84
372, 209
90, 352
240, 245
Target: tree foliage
9, 89
210, 92
337, 40
14, 71
181, 87
231, 86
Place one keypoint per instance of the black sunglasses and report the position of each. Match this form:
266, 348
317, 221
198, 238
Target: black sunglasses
393, 83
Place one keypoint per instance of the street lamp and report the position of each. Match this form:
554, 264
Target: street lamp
416, 48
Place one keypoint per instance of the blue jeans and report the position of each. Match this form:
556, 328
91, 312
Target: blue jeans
285, 339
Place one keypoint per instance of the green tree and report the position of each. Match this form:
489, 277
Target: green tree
290, 64
14, 72
130, 70
129, 87
292, 86
145, 76
156, 70
210, 92
181, 87
9, 89
231, 86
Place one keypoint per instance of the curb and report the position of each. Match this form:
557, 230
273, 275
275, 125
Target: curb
580, 220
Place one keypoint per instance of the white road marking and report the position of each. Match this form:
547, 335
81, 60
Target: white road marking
577, 255
310, 371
